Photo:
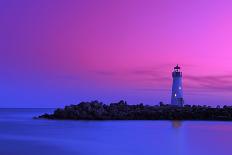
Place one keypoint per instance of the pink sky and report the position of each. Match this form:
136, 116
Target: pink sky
55, 52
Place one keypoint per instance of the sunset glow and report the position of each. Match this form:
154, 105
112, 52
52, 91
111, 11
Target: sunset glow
56, 52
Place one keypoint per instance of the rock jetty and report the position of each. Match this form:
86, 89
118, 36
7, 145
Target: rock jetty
96, 110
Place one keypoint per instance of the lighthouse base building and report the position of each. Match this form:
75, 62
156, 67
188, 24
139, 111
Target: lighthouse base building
177, 90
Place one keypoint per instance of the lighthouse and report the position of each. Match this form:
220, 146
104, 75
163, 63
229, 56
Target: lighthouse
177, 90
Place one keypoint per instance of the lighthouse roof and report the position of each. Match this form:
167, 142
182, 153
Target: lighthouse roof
177, 67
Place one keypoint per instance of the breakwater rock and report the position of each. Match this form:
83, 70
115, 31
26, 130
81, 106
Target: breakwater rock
96, 110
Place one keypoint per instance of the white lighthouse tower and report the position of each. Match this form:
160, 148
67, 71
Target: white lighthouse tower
177, 92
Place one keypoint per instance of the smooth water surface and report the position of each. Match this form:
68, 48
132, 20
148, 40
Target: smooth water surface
22, 135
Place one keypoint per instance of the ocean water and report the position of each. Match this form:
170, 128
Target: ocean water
22, 135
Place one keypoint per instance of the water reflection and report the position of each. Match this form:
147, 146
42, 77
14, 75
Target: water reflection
26, 136
176, 124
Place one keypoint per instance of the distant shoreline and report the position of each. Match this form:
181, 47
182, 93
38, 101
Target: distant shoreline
122, 111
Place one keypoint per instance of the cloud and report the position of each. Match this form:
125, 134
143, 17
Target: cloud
105, 73
158, 78
153, 89
210, 82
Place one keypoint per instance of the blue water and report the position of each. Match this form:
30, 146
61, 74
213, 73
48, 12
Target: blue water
22, 135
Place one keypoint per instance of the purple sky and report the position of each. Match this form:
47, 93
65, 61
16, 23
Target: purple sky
58, 52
